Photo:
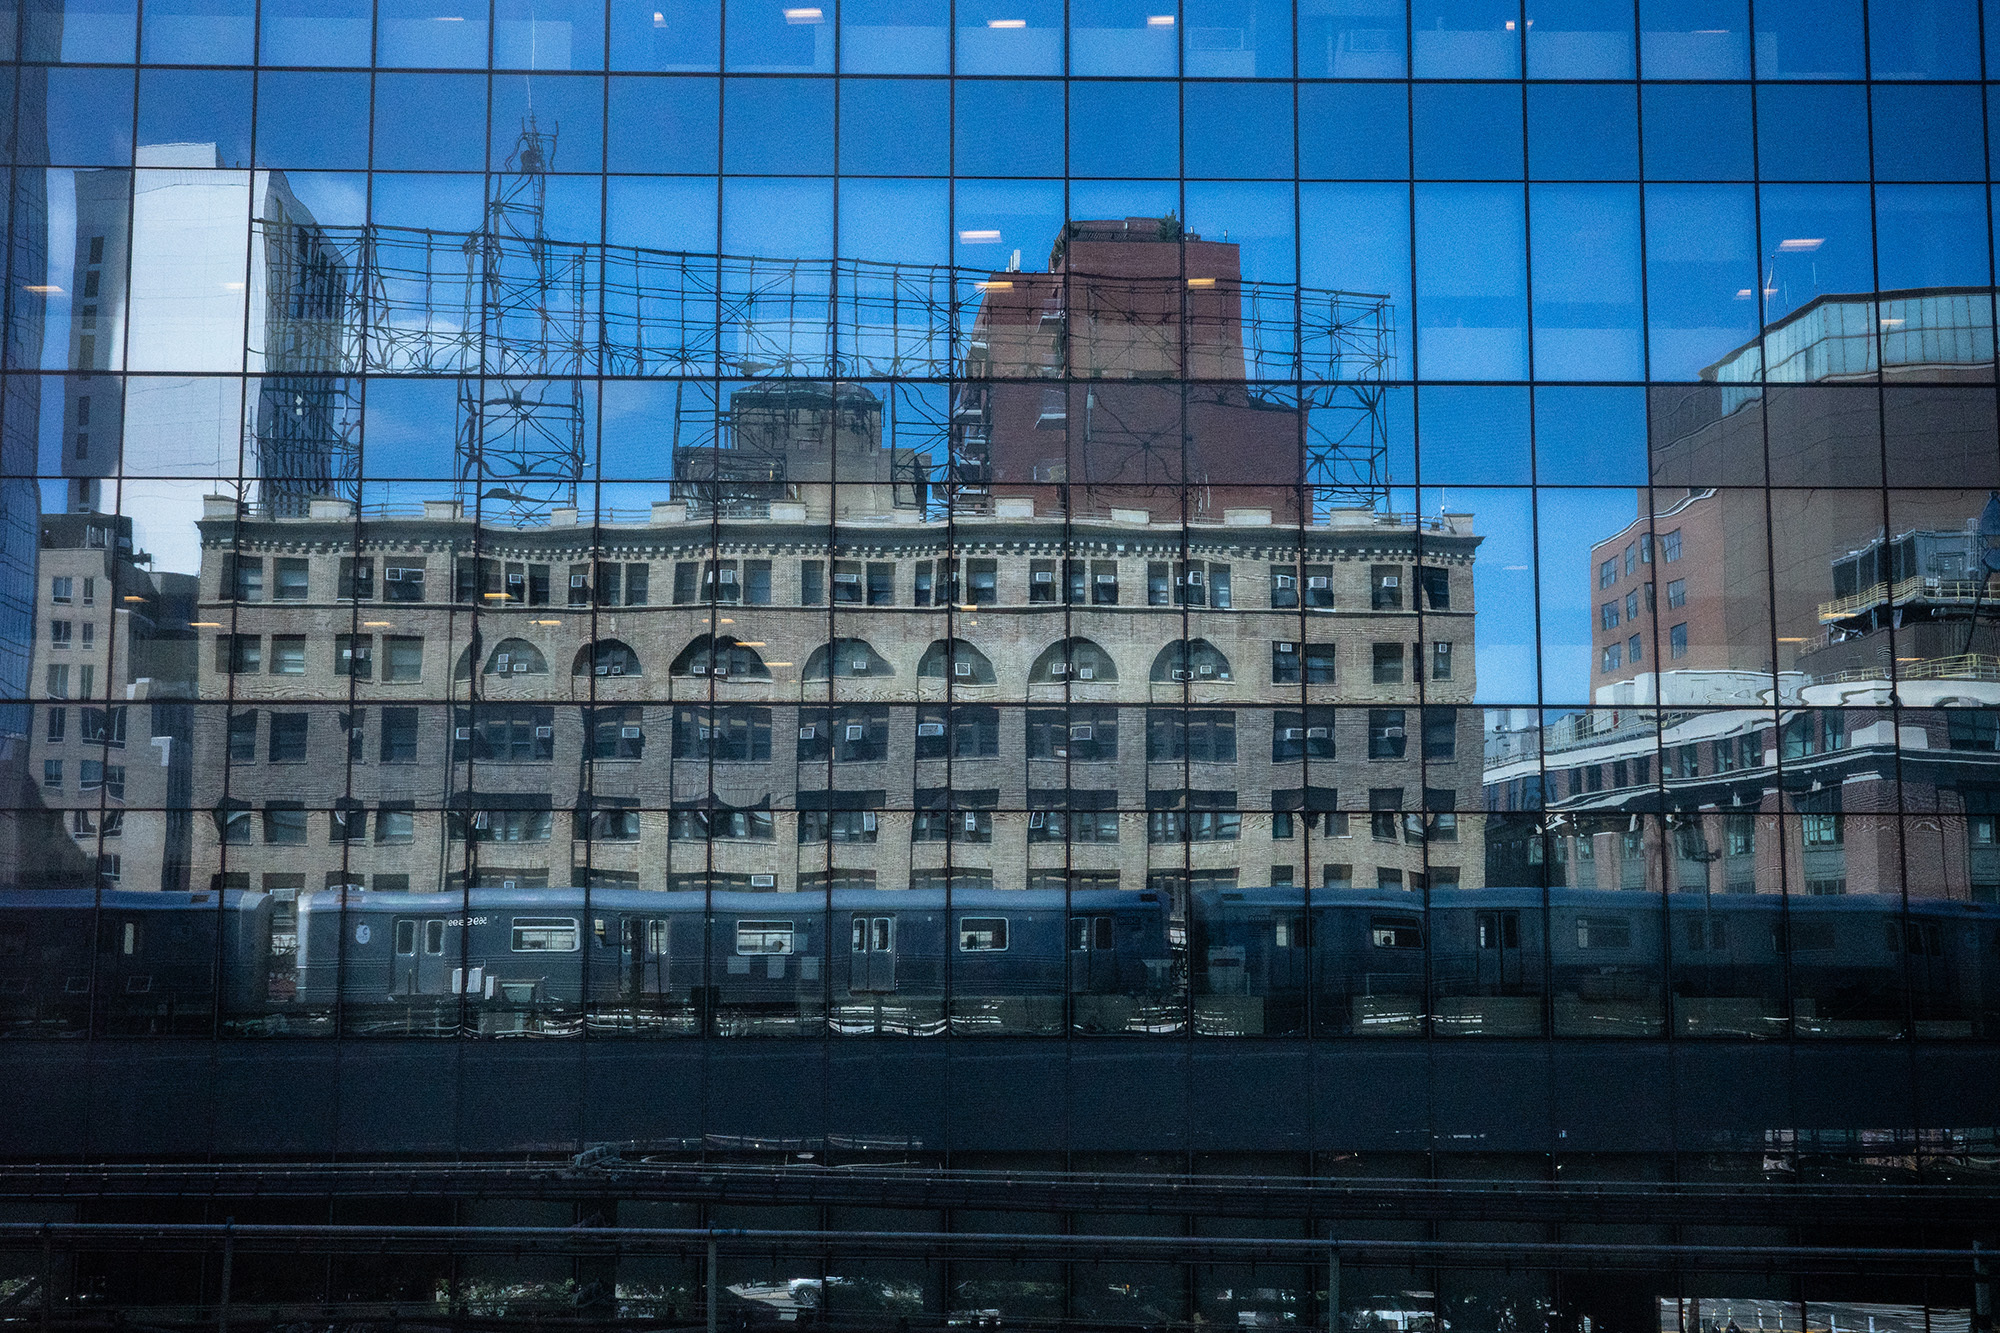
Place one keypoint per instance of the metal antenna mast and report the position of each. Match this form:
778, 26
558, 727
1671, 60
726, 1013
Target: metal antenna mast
520, 407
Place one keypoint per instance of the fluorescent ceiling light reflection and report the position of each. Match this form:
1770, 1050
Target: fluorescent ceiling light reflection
1006, 23
1745, 294
1159, 20
979, 237
1803, 243
804, 15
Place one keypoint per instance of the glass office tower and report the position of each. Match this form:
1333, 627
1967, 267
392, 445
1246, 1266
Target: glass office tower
1208, 554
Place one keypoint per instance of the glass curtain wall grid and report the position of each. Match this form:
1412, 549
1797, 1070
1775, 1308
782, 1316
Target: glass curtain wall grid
1186, 520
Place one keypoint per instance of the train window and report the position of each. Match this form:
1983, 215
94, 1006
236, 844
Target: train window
433, 937
545, 934
406, 937
763, 937
980, 934
1288, 932
656, 938
885, 933
1603, 932
1090, 932
131, 940
1396, 932
860, 934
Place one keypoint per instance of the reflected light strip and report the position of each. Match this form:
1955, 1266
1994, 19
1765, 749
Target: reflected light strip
378, 624
1803, 243
965, 238
1006, 23
804, 15
994, 286
1201, 282
204, 624
1159, 20
43, 289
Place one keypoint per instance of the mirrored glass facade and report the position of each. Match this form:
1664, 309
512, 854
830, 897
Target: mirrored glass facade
1185, 521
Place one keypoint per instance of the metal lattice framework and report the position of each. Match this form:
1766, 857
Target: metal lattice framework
520, 320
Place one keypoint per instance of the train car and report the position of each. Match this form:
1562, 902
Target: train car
1487, 952
1247, 960
127, 962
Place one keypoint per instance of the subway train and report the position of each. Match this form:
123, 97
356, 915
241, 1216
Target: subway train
1230, 962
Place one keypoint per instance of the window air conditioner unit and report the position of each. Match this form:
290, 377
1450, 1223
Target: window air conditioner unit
1107, 578
1285, 648
858, 664
1194, 578
604, 671
721, 669
868, 821
1086, 673
1038, 820
481, 819
1293, 733
763, 881
1318, 581
579, 581
961, 668
1317, 733
806, 733
1059, 669
628, 733
520, 668
1207, 670
847, 578
392, 575
1043, 576
461, 733
930, 728
971, 822
856, 731
544, 733
698, 669
1082, 731
1181, 673
1390, 581
502, 661
1392, 733
617, 668
728, 576
1287, 581
514, 579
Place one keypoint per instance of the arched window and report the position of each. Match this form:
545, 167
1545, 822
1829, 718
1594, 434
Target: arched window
1189, 659
720, 656
1072, 659
606, 657
957, 660
846, 658
467, 660
516, 657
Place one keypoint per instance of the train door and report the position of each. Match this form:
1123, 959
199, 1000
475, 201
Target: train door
631, 957
1498, 956
872, 954
438, 956
1093, 962
404, 935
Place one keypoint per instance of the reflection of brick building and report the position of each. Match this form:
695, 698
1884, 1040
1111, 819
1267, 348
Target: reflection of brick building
1145, 325
113, 667
1005, 700
1810, 707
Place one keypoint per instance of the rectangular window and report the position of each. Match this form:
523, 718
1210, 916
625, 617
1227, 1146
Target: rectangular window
1284, 587
354, 655
399, 735
1388, 661
812, 583
61, 590
288, 738
1319, 587
763, 937
402, 581
236, 654
395, 823
610, 583
1670, 546
1440, 661
1319, 663
1437, 588
1041, 581
61, 633
1285, 669
882, 583
982, 934
579, 585
58, 723
357, 579
1386, 736
1607, 573
403, 657
243, 738
1603, 932
290, 579
285, 823
288, 654
1613, 658
847, 582
1385, 587
757, 582
52, 773
1631, 557
1607, 616
1677, 642
1634, 652
1440, 733
545, 934
1677, 593
684, 582
638, 583
1201, 735
1103, 583
1159, 585
243, 578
